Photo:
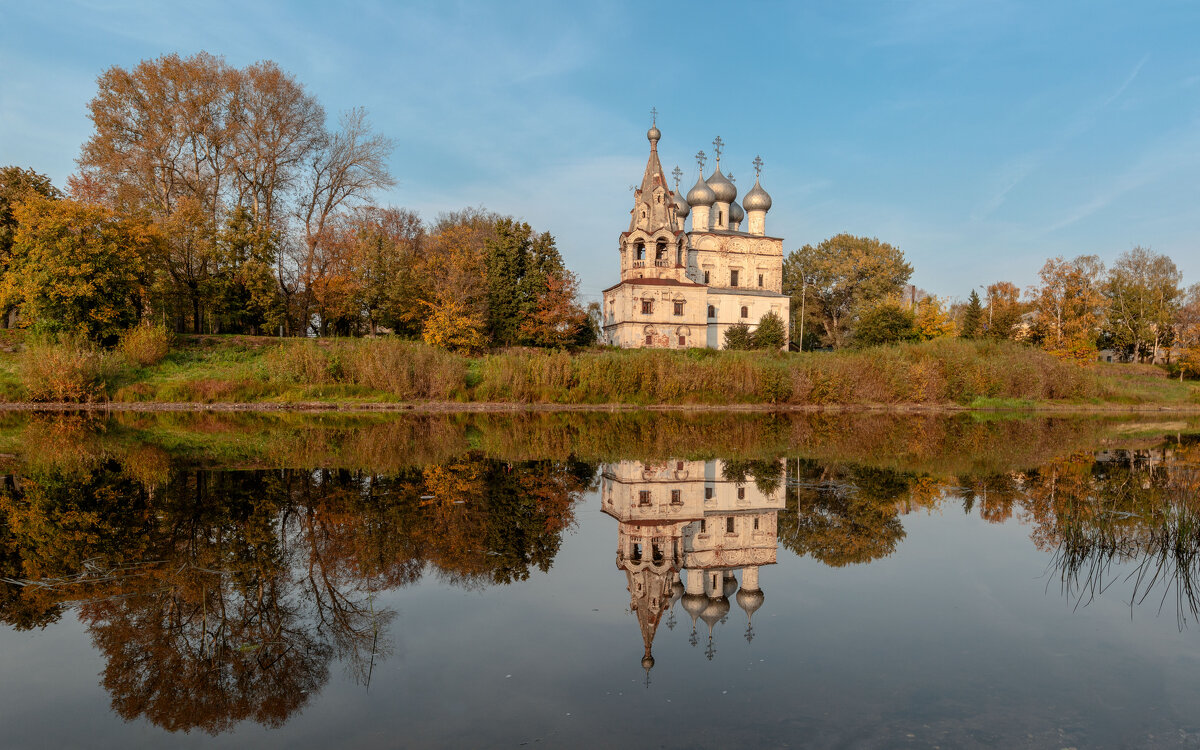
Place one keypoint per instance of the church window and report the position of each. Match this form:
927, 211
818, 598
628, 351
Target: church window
641, 251
656, 554
649, 339
706, 277
760, 279
756, 523
729, 525
644, 497
712, 311
679, 466
679, 307
702, 526
733, 278
745, 312
683, 340
637, 552
676, 497
647, 306
660, 250
679, 253
708, 493
741, 493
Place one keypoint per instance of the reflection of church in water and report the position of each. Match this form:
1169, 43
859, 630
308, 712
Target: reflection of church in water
697, 518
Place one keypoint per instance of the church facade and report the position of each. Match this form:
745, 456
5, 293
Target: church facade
684, 287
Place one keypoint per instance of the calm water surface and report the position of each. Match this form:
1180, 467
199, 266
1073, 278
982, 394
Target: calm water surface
595, 581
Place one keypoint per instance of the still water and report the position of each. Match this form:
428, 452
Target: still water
598, 580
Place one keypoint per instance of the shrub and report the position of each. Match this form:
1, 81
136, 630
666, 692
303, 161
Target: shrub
303, 362
770, 334
67, 369
146, 344
738, 337
404, 368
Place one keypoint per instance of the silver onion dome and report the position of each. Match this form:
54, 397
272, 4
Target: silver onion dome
757, 199
681, 206
724, 189
653, 134
729, 584
736, 214
750, 600
701, 194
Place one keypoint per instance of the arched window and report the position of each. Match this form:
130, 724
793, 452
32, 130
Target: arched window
745, 312
679, 254
660, 250
712, 311
640, 249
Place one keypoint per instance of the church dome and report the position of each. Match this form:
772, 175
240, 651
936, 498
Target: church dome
676, 590
722, 187
750, 600
701, 194
736, 214
729, 585
717, 608
694, 604
681, 206
653, 134
647, 662
757, 199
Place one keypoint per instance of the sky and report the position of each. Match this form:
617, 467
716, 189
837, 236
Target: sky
980, 137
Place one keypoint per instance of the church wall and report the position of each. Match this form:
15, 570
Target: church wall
720, 254
626, 325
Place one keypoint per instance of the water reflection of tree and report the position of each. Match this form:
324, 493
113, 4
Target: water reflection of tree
217, 597
843, 514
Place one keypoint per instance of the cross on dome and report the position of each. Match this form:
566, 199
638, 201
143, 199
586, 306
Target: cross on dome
701, 158
758, 165
677, 173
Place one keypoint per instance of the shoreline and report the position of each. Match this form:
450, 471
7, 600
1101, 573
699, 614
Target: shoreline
483, 407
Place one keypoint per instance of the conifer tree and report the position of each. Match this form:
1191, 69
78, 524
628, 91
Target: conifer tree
770, 334
972, 317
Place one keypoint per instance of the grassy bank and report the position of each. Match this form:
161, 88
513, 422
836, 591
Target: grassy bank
239, 369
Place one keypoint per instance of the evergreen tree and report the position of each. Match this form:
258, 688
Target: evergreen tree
972, 317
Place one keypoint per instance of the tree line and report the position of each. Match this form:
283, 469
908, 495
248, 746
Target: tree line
216, 199
855, 291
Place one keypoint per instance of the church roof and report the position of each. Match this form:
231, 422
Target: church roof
654, 282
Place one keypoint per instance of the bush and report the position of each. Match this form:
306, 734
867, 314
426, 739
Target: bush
770, 334
69, 369
404, 368
303, 362
738, 337
146, 344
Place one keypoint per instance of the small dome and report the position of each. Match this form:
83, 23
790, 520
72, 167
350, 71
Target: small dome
757, 199
681, 206
694, 604
653, 134
701, 194
729, 585
676, 590
723, 188
750, 600
647, 662
717, 608
736, 214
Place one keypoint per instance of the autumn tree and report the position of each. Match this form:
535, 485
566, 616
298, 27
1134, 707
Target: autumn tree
932, 320
17, 184
1004, 310
1069, 303
557, 320
1142, 292
888, 322
79, 268
845, 275
972, 319
1187, 333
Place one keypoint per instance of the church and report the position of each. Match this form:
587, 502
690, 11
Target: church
684, 288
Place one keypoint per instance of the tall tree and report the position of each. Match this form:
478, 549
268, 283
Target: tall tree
16, 185
1143, 293
1070, 304
932, 320
846, 275
972, 317
1004, 310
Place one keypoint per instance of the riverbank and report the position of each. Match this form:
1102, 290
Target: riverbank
239, 373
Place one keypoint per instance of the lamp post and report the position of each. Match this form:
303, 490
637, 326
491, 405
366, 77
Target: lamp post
803, 300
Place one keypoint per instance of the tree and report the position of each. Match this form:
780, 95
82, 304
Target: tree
886, 323
1142, 290
845, 275
17, 184
1069, 305
1004, 310
1187, 333
972, 317
770, 333
932, 320
557, 320
79, 268
737, 337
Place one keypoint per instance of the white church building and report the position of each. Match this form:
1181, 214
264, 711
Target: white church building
684, 288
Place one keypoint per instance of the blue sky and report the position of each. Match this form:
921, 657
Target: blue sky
980, 137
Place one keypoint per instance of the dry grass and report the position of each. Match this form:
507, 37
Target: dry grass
67, 369
145, 345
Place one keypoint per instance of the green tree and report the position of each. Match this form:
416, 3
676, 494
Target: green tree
519, 266
1069, 306
16, 184
1143, 294
885, 323
770, 334
845, 275
738, 337
972, 317
79, 268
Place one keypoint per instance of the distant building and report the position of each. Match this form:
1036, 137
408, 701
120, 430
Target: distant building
682, 288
